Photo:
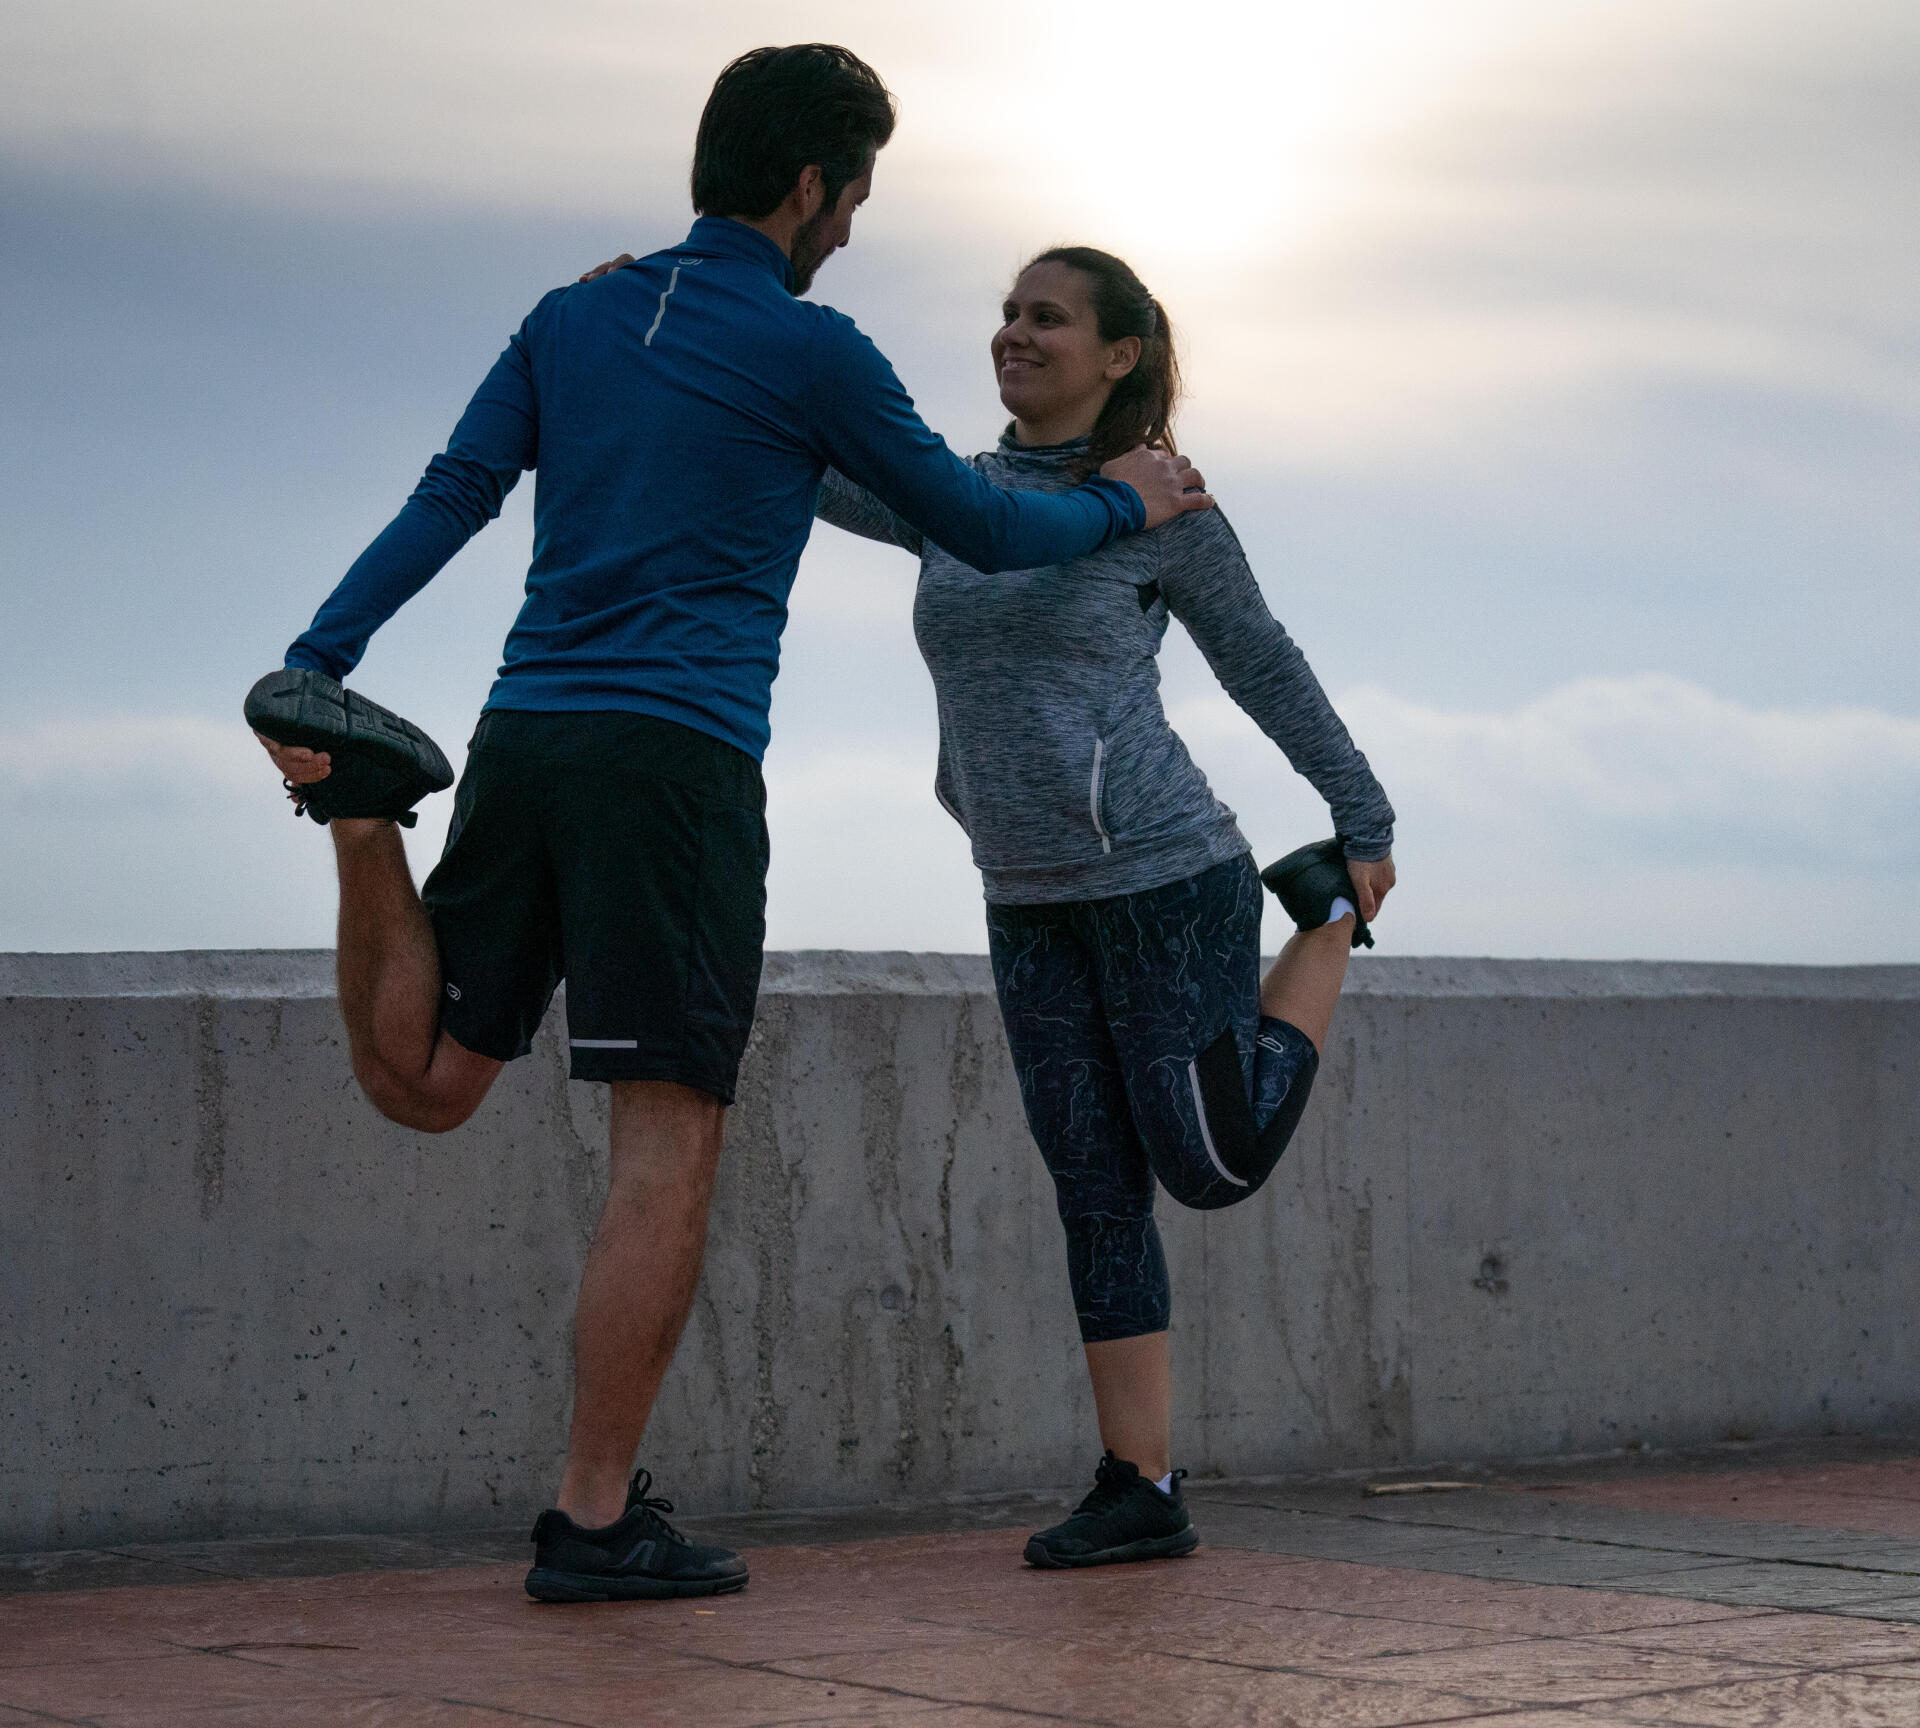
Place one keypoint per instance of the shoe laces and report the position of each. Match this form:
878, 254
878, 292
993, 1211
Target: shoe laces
654, 1505
1110, 1486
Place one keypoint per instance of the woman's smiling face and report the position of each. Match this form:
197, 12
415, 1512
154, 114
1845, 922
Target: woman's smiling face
1052, 366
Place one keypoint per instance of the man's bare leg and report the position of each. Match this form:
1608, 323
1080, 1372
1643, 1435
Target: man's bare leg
389, 968
1302, 987
639, 1283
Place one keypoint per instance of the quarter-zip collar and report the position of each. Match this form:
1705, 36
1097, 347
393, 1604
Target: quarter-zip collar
722, 237
1043, 458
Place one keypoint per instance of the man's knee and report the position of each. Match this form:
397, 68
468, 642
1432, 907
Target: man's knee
426, 1109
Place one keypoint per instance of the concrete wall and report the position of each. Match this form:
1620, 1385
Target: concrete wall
1533, 1207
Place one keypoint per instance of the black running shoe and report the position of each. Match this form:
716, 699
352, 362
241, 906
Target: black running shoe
638, 1555
382, 765
1125, 1518
1310, 880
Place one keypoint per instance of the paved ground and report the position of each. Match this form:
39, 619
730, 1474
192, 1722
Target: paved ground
1742, 1586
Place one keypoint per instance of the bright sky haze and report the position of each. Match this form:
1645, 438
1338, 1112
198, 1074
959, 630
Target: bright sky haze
1558, 365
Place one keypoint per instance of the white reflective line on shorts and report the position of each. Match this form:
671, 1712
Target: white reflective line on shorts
673, 282
605, 1043
1093, 801
1206, 1136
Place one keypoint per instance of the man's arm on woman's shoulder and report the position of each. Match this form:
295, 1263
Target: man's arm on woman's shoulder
864, 424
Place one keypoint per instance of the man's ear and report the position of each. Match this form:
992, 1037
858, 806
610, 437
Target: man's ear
811, 189
1122, 357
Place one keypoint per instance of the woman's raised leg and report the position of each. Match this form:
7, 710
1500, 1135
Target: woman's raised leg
1302, 987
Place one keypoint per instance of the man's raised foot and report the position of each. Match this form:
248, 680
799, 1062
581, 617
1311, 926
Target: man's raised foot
380, 764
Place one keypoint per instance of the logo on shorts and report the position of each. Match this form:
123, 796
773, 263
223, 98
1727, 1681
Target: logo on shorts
453, 990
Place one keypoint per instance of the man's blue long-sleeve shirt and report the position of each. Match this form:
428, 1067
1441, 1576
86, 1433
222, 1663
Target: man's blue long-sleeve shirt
679, 413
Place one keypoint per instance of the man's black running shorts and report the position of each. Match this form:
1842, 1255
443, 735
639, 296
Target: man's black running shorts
629, 856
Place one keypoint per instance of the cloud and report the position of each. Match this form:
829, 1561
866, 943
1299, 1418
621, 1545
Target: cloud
1621, 816
172, 760
1609, 817
1655, 770
1591, 350
159, 831
863, 855
1646, 199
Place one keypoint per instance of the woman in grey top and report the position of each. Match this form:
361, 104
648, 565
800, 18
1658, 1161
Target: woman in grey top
1123, 906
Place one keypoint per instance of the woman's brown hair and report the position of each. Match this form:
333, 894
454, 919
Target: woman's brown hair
1142, 406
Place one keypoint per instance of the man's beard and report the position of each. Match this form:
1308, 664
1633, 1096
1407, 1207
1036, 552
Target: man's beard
808, 252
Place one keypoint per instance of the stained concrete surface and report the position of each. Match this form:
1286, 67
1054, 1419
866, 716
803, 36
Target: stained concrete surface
848, 1621
1534, 1207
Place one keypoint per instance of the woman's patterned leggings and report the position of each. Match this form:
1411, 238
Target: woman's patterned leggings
1136, 1031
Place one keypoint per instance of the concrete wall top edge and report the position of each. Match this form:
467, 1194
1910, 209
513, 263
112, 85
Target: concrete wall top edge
308, 972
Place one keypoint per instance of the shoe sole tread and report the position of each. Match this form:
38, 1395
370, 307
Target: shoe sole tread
1174, 1547
316, 713
546, 1585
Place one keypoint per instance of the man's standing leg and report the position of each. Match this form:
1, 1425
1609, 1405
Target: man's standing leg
657, 839
639, 1283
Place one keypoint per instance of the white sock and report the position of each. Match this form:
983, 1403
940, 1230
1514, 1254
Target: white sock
1342, 908
1165, 1484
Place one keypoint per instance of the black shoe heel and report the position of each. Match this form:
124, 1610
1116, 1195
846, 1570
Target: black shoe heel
1309, 880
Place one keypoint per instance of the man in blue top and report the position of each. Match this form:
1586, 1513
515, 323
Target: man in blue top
679, 412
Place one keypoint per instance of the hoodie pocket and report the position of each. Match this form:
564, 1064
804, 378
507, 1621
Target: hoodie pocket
1096, 789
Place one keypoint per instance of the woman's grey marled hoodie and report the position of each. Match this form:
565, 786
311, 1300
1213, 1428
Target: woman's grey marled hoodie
1055, 754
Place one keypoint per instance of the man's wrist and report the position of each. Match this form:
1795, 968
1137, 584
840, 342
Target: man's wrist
1126, 502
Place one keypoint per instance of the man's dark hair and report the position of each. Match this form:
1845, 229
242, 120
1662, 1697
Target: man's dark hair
775, 111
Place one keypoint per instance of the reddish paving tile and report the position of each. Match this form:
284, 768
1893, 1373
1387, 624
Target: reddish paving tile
712, 1695
949, 1630
1520, 1610
1882, 1496
1549, 1671
118, 1694
400, 1710
34, 1640
1799, 1640
1262, 1636
1586, 1716
1135, 1689
1788, 1701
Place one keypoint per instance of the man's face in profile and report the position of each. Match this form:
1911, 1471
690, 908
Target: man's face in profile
822, 235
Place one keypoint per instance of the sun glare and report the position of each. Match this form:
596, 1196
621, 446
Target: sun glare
1234, 129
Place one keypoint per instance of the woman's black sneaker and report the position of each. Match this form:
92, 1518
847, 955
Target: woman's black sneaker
382, 765
638, 1555
1125, 1518
1310, 880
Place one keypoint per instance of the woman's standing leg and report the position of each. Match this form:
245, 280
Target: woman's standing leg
1133, 1392
1077, 1106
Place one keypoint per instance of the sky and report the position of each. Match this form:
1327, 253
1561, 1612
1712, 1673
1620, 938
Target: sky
1557, 363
